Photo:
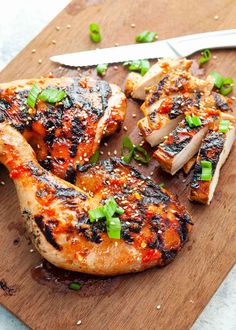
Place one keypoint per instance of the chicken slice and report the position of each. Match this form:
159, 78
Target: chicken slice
161, 121
68, 132
215, 148
154, 225
180, 146
137, 89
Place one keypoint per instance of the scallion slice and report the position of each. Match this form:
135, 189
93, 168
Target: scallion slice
141, 66
74, 286
224, 126
146, 36
141, 155
206, 56
114, 228
94, 32
227, 86
33, 95
218, 79
127, 150
101, 69
96, 214
51, 95
94, 158
110, 207
194, 121
206, 174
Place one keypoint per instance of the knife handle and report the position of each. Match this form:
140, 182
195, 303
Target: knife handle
190, 44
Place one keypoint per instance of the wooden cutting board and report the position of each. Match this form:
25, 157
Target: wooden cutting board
183, 288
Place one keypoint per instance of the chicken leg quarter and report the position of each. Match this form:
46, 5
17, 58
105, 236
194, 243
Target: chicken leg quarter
154, 225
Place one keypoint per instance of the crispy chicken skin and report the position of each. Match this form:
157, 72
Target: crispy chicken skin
68, 132
154, 225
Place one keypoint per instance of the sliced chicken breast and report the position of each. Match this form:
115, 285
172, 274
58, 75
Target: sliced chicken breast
180, 146
154, 75
215, 149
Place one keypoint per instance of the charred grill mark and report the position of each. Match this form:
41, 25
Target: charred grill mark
158, 90
211, 149
47, 230
179, 106
221, 102
70, 174
91, 231
77, 134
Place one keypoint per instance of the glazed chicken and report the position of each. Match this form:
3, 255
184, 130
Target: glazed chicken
154, 225
174, 95
68, 132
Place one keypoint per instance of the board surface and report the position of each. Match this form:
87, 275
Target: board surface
183, 288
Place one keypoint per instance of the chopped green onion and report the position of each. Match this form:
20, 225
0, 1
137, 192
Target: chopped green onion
194, 121
218, 79
52, 95
224, 126
107, 211
206, 174
94, 32
146, 36
32, 96
94, 158
139, 65
114, 228
74, 286
96, 214
127, 150
141, 155
101, 69
161, 185
227, 86
206, 56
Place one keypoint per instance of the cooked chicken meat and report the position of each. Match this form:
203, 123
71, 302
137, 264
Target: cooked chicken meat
215, 149
154, 225
68, 132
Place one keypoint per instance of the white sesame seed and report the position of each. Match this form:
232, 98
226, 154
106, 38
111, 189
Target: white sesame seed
40, 61
151, 173
158, 306
159, 231
109, 154
57, 28
68, 26
125, 128
233, 97
115, 67
2, 183
79, 322
134, 115
133, 25
214, 57
116, 44
115, 152
54, 42
33, 51
31, 250
105, 144
216, 17
101, 152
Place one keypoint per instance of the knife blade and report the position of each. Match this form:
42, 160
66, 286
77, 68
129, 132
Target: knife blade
174, 47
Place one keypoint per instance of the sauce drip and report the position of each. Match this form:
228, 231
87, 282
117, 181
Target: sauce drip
59, 279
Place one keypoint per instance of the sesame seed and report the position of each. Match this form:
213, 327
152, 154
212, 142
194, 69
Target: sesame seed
68, 26
134, 115
159, 231
133, 25
105, 144
233, 97
115, 67
79, 322
115, 152
101, 152
151, 173
57, 28
40, 61
54, 42
116, 44
214, 57
109, 154
125, 128
216, 17
2, 183
31, 250
158, 306
33, 51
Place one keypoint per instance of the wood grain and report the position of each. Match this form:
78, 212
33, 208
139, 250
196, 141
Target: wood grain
183, 288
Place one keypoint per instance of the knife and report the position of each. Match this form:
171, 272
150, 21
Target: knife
175, 47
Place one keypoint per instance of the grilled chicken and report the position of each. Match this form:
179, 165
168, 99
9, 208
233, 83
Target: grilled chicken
68, 132
180, 146
154, 225
137, 88
215, 149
